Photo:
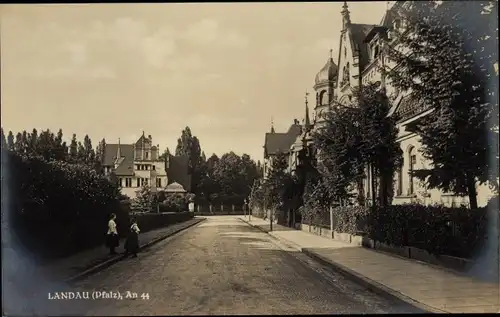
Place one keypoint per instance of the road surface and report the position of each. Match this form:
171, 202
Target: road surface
221, 266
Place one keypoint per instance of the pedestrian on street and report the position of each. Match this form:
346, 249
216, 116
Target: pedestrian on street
132, 243
112, 239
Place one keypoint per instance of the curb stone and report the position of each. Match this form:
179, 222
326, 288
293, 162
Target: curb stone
368, 283
117, 258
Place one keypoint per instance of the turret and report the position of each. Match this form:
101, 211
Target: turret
346, 17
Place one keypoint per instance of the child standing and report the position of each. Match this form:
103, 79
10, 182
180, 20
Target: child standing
132, 243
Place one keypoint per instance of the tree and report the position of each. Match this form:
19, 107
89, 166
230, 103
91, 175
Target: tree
341, 163
249, 172
209, 182
24, 142
355, 137
189, 145
100, 156
256, 201
378, 148
46, 145
81, 156
144, 200
450, 69
260, 169
88, 155
10, 141
165, 155
277, 181
61, 149
18, 144
4, 140
73, 150
33, 142
227, 174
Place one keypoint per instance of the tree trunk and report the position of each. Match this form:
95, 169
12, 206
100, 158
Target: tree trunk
374, 185
471, 191
385, 182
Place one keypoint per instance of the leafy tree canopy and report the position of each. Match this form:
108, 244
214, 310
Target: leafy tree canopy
453, 49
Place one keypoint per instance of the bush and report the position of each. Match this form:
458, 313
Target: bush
350, 219
153, 221
436, 229
173, 203
439, 230
56, 208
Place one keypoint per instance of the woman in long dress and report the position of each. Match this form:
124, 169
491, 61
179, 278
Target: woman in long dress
132, 243
112, 239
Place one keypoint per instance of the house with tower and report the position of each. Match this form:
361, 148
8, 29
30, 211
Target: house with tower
140, 163
361, 52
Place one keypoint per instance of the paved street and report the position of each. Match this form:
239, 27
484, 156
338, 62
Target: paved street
221, 266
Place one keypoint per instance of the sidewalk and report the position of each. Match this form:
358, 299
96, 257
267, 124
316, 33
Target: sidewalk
73, 266
426, 287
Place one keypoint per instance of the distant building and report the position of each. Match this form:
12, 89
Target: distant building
279, 142
138, 164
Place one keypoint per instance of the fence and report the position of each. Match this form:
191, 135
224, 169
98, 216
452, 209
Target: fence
207, 209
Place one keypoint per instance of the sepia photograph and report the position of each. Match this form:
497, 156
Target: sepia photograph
253, 158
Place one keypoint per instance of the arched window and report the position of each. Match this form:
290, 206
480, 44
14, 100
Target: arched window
376, 52
412, 160
323, 98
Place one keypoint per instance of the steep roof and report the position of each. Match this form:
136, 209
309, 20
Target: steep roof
375, 30
388, 18
281, 142
126, 167
358, 34
178, 171
294, 130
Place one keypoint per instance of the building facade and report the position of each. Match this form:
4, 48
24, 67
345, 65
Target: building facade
136, 165
275, 143
360, 53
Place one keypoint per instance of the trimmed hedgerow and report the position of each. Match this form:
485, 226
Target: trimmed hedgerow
437, 229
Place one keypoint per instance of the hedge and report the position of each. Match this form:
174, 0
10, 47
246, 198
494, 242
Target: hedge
54, 209
153, 221
439, 230
148, 221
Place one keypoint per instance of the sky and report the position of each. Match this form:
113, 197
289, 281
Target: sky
115, 70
